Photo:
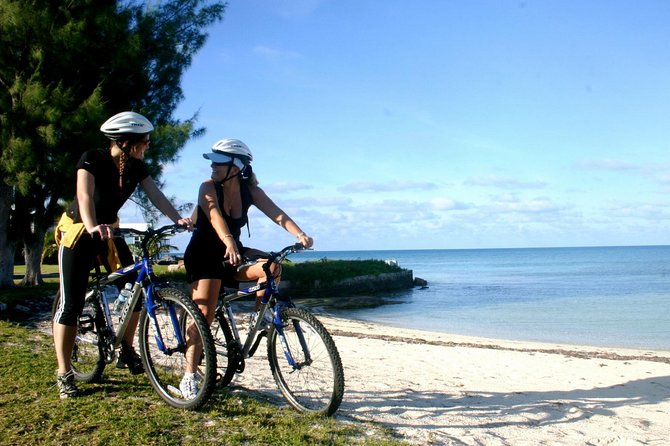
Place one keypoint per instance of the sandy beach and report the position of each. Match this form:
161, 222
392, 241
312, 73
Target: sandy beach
440, 389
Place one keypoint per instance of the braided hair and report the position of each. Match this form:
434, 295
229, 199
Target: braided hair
125, 143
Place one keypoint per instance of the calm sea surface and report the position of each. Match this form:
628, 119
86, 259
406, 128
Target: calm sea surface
609, 296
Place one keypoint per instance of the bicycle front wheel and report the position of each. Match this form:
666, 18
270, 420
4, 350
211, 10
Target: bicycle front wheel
312, 380
87, 357
163, 343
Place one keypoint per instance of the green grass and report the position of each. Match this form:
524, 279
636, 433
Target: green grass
124, 410
21, 294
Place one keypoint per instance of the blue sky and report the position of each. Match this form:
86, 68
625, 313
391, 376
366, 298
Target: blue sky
441, 124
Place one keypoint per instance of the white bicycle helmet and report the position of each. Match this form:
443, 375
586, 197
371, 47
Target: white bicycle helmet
230, 150
125, 123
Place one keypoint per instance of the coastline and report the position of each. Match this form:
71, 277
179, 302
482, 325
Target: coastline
440, 389
375, 330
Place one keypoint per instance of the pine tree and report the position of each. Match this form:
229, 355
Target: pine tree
65, 66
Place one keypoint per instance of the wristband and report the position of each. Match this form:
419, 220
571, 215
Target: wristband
300, 235
228, 235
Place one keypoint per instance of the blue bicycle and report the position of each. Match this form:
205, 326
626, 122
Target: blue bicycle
168, 319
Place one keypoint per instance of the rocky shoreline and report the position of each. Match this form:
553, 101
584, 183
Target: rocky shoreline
351, 286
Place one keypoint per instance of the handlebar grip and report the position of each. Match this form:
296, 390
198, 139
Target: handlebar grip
97, 237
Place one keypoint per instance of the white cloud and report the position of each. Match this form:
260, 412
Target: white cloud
504, 182
606, 164
447, 204
287, 186
392, 186
534, 205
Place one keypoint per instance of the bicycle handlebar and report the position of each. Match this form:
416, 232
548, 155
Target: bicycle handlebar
286, 251
150, 232
148, 235
273, 257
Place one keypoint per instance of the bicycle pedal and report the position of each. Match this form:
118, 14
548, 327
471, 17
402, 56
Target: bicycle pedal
86, 322
240, 367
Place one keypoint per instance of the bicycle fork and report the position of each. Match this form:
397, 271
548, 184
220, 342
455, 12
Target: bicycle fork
174, 319
287, 351
279, 327
249, 348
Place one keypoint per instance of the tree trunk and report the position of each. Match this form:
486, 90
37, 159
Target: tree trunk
33, 256
7, 246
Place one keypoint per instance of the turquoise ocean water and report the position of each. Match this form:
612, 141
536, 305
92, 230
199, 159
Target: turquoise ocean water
600, 296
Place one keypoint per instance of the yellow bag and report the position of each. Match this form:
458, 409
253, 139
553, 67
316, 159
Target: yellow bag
68, 232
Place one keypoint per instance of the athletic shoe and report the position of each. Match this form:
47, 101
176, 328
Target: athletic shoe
189, 385
129, 359
66, 385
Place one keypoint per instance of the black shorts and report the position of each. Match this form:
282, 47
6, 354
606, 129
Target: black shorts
202, 265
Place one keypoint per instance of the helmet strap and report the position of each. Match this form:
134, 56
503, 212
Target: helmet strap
228, 175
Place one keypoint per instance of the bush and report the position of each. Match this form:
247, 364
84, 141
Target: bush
324, 270
328, 271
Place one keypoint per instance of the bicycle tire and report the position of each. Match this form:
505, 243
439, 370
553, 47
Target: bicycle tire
228, 355
87, 355
165, 370
314, 387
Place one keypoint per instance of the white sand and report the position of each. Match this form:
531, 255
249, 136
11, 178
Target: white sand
441, 389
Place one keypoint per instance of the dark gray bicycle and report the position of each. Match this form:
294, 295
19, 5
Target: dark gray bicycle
303, 358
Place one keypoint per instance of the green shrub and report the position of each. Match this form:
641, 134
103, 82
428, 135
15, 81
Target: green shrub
328, 271
324, 270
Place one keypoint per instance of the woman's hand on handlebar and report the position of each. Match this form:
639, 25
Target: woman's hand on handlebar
305, 240
103, 231
186, 222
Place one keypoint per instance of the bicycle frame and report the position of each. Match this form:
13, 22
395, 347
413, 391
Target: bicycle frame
302, 355
167, 315
270, 295
142, 287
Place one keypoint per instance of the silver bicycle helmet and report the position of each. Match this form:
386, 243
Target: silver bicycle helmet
125, 123
230, 150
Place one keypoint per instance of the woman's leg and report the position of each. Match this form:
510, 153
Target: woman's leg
205, 293
255, 272
74, 265
64, 336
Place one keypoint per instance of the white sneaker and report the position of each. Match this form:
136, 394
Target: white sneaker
189, 385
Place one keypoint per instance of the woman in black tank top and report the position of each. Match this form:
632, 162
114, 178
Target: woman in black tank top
223, 203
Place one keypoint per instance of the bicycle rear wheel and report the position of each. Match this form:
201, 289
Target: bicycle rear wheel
315, 383
163, 347
87, 356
